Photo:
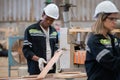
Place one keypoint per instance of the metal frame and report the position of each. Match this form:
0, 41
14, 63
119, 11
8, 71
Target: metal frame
11, 60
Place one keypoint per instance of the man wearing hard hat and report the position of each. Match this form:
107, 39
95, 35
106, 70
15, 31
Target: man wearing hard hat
103, 48
41, 41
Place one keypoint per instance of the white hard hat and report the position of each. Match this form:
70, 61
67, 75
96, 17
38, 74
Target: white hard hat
105, 7
52, 11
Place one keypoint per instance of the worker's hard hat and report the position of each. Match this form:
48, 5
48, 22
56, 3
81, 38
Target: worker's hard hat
52, 11
105, 7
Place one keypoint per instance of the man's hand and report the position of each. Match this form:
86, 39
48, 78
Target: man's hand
41, 62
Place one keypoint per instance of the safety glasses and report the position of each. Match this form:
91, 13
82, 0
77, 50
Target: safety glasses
112, 18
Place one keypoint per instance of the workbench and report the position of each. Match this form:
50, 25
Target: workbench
48, 77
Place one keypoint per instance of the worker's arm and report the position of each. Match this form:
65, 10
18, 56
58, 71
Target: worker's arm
27, 45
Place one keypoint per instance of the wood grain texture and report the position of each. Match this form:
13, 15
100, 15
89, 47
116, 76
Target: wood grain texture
66, 75
49, 65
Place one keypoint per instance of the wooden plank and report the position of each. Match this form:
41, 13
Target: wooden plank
68, 75
79, 30
50, 64
88, 30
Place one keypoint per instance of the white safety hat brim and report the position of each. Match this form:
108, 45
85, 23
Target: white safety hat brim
52, 11
105, 7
